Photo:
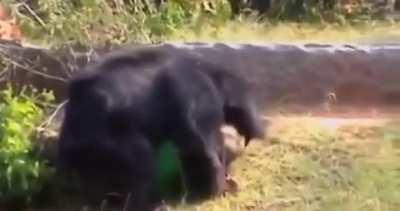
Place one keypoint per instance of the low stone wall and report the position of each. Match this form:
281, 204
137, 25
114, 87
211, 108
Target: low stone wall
303, 76
335, 76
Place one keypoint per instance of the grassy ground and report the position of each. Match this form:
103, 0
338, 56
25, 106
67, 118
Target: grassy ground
318, 164
247, 31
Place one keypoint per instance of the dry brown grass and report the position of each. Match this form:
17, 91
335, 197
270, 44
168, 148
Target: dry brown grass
246, 31
318, 164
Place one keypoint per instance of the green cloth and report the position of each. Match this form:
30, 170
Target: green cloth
168, 172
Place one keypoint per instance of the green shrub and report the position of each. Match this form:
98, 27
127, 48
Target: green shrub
171, 17
22, 171
99, 22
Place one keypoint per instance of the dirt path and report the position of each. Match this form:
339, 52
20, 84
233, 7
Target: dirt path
345, 112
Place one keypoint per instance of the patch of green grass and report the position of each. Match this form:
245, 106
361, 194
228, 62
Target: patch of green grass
307, 166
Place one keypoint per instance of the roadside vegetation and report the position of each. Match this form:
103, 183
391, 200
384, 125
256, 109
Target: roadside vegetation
100, 22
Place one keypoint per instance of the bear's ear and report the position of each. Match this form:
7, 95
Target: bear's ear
246, 121
258, 132
240, 110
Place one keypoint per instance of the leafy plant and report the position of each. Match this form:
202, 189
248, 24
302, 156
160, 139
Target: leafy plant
22, 171
170, 18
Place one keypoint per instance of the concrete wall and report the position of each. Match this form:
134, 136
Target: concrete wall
360, 76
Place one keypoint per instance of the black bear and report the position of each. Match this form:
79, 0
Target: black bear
123, 107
